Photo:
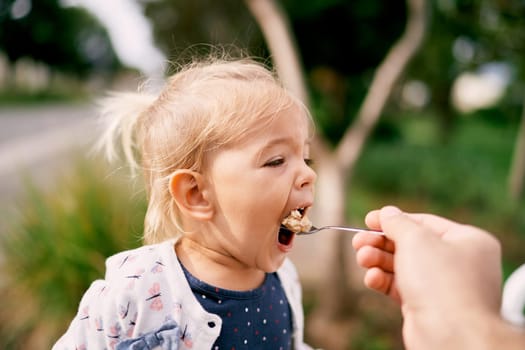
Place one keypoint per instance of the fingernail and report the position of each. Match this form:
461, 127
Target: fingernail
389, 211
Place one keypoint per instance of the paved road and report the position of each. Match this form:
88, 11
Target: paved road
36, 141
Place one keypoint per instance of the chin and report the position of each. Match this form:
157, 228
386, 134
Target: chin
275, 264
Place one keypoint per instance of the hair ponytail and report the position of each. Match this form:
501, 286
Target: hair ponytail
120, 113
125, 119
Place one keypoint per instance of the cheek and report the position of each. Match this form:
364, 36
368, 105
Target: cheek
246, 197
236, 200
251, 208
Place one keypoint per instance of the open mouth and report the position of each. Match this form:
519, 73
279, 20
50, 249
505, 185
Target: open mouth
295, 222
285, 235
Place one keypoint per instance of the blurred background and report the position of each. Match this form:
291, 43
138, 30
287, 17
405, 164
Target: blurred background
418, 103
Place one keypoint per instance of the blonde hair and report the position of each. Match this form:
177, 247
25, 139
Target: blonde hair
206, 105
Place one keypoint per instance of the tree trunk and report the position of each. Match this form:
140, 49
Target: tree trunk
517, 171
346, 155
276, 30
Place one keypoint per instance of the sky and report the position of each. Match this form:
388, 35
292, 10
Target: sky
130, 32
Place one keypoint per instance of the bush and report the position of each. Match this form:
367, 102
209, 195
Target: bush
57, 247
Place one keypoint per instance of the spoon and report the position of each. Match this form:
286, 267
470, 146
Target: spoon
341, 228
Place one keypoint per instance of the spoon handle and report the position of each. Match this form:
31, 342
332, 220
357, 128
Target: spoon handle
352, 229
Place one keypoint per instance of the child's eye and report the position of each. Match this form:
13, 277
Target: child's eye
274, 162
309, 161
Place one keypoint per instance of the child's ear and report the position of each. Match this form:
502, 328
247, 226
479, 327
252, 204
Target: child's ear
188, 189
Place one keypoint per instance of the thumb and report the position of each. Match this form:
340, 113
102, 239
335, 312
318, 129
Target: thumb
396, 225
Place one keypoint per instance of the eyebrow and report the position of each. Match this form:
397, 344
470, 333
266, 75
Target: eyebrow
282, 141
278, 141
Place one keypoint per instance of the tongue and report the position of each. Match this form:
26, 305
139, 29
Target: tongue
285, 235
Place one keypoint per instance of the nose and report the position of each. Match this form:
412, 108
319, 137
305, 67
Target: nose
306, 177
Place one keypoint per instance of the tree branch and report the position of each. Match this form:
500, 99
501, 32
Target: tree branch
386, 75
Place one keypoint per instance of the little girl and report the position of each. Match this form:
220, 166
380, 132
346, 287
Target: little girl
224, 151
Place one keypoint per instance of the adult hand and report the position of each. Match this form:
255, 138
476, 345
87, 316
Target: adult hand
446, 275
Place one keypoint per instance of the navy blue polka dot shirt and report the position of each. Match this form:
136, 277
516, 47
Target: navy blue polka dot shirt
255, 319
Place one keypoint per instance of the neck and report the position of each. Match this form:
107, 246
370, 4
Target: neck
217, 268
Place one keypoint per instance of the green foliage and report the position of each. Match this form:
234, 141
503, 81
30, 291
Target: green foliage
19, 96
58, 36
462, 37
57, 247
179, 25
377, 325
470, 170
350, 37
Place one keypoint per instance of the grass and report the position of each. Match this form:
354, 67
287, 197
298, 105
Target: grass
57, 248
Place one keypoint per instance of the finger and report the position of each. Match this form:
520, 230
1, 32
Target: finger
378, 280
362, 239
372, 220
382, 282
438, 224
398, 226
369, 257
441, 226
400, 222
